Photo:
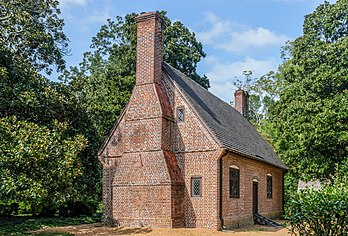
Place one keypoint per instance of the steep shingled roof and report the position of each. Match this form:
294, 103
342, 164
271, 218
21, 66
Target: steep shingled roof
234, 132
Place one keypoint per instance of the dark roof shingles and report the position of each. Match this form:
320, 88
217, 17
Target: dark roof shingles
233, 131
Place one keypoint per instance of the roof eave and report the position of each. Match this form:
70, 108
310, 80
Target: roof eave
285, 169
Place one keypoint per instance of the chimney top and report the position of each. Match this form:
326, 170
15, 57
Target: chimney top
241, 101
150, 30
149, 15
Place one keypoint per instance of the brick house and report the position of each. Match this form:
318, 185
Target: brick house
179, 156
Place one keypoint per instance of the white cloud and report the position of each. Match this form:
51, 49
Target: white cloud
223, 75
235, 37
218, 27
224, 91
223, 72
67, 3
260, 37
99, 16
210, 59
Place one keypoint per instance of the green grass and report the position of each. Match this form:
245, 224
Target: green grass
22, 225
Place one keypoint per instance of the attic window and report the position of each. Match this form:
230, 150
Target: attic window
180, 114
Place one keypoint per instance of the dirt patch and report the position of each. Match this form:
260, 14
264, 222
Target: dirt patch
99, 229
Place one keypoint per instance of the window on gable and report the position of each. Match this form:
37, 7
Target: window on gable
234, 182
269, 186
180, 113
196, 186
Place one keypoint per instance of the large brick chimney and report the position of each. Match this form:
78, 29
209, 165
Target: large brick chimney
150, 29
241, 102
142, 188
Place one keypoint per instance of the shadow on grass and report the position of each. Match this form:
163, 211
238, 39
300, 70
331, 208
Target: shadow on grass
92, 229
23, 225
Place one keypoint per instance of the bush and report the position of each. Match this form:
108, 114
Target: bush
87, 208
319, 212
10, 208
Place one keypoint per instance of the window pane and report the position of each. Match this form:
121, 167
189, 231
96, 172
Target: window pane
196, 187
234, 182
269, 186
180, 114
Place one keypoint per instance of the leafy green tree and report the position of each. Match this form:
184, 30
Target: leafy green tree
311, 116
32, 32
104, 80
263, 92
38, 165
32, 41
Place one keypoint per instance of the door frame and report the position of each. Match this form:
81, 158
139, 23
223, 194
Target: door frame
255, 197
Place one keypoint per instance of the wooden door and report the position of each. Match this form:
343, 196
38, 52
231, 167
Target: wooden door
255, 197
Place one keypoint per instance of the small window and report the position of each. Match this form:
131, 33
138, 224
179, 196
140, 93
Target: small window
180, 114
196, 186
234, 182
269, 186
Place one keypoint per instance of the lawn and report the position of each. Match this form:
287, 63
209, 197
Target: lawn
91, 226
24, 225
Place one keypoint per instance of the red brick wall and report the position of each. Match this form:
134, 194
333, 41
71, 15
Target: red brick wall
197, 153
135, 205
238, 211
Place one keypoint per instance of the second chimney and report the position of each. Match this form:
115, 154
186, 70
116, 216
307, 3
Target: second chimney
241, 102
150, 29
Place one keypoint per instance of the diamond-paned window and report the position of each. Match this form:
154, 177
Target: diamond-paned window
196, 186
180, 114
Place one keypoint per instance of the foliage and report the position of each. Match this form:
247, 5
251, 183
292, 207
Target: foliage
183, 51
32, 32
20, 225
38, 165
104, 80
311, 116
319, 212
263, 93
31, 40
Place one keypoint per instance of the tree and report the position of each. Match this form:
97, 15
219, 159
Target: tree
41, 121
263, 92
311, 116
38, 165
32, 32
104, 80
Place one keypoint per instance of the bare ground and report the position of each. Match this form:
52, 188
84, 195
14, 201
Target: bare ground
99, 229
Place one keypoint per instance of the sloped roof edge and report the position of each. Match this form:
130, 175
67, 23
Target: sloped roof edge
233, 131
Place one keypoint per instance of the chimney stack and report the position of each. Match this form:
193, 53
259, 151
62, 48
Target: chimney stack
241, 102
150, 30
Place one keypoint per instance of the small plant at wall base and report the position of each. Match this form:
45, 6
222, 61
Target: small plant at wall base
319, 212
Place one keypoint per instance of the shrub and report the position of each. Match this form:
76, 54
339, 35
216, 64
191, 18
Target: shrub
319, 212
78, 208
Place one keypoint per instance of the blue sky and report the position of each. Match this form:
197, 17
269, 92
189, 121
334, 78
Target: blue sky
236, 35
